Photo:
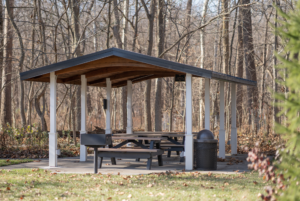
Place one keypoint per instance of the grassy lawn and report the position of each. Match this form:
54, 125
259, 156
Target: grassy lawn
37, 184
4, 162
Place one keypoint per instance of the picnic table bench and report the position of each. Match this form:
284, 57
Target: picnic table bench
147, 152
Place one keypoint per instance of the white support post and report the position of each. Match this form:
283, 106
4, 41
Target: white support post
52, 133
189, 142
233, 120
129, 107
222, 128
108, 97
83, 150
207, 103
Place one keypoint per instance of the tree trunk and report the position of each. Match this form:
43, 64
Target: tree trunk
240, 68
6, 103
249, 60
147, 106
75, 4
1, 49
73, 114
136, 24
225, 39
202, 56
116, 27
275, 84
21, 61
161, 45
38, 109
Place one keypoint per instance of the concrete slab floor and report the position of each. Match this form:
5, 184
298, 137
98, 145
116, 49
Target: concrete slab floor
128, 166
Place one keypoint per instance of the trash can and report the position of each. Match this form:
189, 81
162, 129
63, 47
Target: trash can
205, 151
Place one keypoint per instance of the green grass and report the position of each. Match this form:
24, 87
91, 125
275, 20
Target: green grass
5, 162
37, 184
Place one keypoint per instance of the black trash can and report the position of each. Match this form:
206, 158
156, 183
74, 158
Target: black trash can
205, 151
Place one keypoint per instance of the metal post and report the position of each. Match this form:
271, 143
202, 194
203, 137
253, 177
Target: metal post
222, 128
95, 160
233, 120
129, 107
52, 133
108, 97
207, 103
83, 150
189, 142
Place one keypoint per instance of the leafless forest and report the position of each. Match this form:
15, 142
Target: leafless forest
233, 37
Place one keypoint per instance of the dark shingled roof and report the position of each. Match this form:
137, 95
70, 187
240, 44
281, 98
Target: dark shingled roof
91, 63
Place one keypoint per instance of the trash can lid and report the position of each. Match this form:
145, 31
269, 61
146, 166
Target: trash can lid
205, 135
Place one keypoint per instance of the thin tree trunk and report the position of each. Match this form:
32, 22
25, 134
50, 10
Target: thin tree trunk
40, 112
1, 49
6, 103
136, 24
202, 57
240, 68
73, 114
108, 25
147, 106
21, 61
275, 84
161, 45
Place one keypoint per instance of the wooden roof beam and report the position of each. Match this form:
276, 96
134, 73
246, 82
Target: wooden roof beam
108, 70
143, 78
125, 75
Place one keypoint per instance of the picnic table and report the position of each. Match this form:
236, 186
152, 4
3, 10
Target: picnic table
147, 152
172, 143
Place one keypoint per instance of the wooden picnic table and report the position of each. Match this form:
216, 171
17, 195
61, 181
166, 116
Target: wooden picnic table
137, 153
172, 137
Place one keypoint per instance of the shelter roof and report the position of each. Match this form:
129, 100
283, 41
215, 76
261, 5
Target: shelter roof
120, 65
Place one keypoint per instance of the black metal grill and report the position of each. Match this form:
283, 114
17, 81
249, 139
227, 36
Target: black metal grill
95, 140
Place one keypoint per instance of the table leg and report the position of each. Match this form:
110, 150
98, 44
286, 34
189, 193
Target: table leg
113, 160
95, 160
138, 159
159, 157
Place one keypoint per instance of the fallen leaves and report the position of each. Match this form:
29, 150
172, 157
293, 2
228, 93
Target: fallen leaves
8, 188
162, 194
150, 185
184, 184
129, 196
255, 182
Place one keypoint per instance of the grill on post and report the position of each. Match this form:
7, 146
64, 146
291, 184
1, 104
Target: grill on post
95, 141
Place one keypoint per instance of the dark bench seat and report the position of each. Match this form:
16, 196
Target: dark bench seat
130, 153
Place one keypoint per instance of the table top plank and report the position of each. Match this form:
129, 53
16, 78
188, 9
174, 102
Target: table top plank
138, 138
150, 135
127, 150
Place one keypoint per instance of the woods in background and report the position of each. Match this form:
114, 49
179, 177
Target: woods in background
232, 37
